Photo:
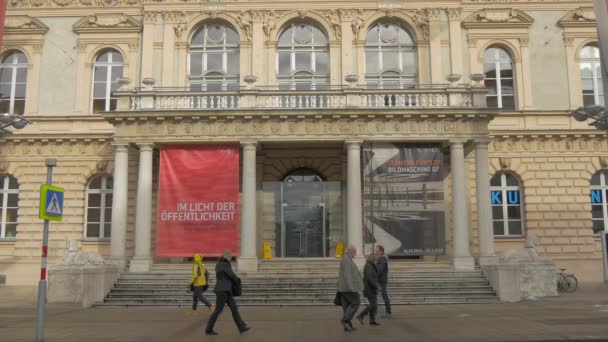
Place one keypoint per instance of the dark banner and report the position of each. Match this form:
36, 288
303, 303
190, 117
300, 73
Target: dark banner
403, 198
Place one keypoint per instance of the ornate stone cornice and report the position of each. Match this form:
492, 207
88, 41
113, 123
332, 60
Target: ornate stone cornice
580, 17
72, 3
24, 24
548, 142
104, 23
505, 18
280, 125
44, 146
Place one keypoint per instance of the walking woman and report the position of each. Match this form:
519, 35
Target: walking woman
225, 283
370, 290
199, 282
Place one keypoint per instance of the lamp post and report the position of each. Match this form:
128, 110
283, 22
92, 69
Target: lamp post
10, 120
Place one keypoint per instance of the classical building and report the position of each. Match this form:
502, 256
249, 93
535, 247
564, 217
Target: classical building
440, 131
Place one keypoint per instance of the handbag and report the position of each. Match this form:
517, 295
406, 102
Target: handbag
237, 288
191, 287
338, 299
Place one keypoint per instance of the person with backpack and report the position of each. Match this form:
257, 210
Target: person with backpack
199, 284
227, 286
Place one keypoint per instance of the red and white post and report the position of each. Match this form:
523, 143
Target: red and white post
41, 308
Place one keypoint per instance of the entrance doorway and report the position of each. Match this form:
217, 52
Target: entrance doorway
304, 224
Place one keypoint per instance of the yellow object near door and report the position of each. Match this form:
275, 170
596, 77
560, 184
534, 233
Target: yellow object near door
340, 250
267, 251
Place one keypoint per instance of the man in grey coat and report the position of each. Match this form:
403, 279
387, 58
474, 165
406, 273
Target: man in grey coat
350, 283
382, 267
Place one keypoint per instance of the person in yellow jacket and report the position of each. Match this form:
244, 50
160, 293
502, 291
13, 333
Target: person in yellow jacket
198, 283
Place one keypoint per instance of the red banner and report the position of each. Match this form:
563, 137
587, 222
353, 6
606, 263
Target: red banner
3, 4
198, 200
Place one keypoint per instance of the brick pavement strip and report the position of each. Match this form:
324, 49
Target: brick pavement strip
580, 316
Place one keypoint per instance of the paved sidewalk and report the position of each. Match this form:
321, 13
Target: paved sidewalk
581, 316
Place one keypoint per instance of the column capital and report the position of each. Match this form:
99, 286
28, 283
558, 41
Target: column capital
145, 147
121, 146
249, 145
353, 144
458, 142
482, 142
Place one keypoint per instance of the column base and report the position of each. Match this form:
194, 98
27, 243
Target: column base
247, 264
121, 264
464, 263
488, 260
140, 265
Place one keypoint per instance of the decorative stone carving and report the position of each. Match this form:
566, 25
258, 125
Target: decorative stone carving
104, 22
270, 23
24, 24
454, 14
77, 257
358, 22
333, 16
604, 162
71, 3
422, 22
3, 167
501, 16
245, 20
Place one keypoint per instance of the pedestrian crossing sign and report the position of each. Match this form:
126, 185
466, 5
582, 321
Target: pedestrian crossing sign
51, 203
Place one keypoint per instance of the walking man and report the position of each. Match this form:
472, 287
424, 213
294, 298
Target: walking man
382, 266
350, 284
370, 290
225, 280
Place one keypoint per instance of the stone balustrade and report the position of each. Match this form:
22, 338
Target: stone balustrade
161, 99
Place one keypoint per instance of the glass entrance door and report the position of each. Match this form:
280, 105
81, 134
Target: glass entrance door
303, 226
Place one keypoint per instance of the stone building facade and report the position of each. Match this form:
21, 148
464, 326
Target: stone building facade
108, 83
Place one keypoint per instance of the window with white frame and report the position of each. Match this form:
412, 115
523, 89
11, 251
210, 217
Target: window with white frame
499, 78
214, 58
98, 221
591, 76
390, 57
506, 200
13, 81
302, 57
107, 70
599, 202
9, 201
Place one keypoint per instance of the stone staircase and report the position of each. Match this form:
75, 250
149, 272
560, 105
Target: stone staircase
300, 282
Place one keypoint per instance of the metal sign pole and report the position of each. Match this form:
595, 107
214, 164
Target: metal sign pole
604, 236
41, 307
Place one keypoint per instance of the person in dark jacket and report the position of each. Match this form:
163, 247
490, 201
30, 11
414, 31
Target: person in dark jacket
382, 267
225, 279
370, 290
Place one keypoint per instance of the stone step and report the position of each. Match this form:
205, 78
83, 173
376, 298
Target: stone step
321, 292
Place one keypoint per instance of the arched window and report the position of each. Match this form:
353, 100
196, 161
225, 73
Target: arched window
9, 200
591, 76
506, 200
302, 57
98, 221
107, 70
13, 80
303, 175
390, 57
599, 202
499, 78
214, 58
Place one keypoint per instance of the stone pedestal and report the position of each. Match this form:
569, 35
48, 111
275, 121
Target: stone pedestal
538, 279
81, 284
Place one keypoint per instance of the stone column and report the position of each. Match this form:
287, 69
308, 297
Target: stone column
119, 204
353, 198
460, 214
455, 40
435, 45
484, 207
142, 261
147, 53
248, 261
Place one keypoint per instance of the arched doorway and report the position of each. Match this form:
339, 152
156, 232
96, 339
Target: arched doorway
304, 228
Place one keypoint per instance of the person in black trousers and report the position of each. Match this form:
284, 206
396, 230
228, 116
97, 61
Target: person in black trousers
370, 290
225, 280
382, 267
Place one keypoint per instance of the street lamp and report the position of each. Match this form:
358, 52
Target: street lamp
597, 114
8, 120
